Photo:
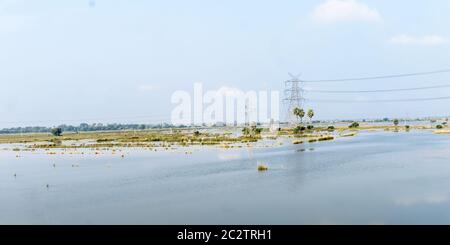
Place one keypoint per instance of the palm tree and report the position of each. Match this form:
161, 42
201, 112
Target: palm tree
299, 113
310, 114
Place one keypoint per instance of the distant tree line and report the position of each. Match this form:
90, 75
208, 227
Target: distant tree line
84, 127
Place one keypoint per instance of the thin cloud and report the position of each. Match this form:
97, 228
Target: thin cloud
430, 40
333, 11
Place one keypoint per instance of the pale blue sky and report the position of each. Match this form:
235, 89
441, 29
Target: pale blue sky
120, 61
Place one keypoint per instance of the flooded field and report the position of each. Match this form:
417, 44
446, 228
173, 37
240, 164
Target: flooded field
374, 178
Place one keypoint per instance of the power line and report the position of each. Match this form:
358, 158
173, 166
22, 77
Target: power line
378, 77
377, 90
379, 101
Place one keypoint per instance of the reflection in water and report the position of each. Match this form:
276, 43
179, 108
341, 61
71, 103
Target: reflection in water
374, 178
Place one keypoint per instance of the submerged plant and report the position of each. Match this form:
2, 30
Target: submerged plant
262, 167
297, 142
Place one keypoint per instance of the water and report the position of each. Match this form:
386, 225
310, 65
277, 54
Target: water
374, 178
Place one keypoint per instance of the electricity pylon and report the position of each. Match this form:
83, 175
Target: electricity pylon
293, 97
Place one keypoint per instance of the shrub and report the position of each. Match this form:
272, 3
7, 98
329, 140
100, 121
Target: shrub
310, 127
407, 127
57, 131
396, 122
299, 129
439, 126
257, 130
245, 131
330, 127
354, 125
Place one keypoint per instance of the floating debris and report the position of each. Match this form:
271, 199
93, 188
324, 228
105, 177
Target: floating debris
351, 134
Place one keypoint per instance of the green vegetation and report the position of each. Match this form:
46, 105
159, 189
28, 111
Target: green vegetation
310, 114
299, 113
299, 129
57, 131
253, 131
354, 125
396, 122
246, 131
326, 138
128, 139
262, 167
439, 126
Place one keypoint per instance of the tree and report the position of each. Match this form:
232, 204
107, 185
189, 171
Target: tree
56, 131
299, 113
396, 122
310, 114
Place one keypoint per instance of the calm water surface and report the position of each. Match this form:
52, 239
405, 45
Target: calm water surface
374, 178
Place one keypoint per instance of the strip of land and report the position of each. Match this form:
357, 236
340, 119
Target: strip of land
224, 137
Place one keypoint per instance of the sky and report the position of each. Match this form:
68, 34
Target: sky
120, 61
